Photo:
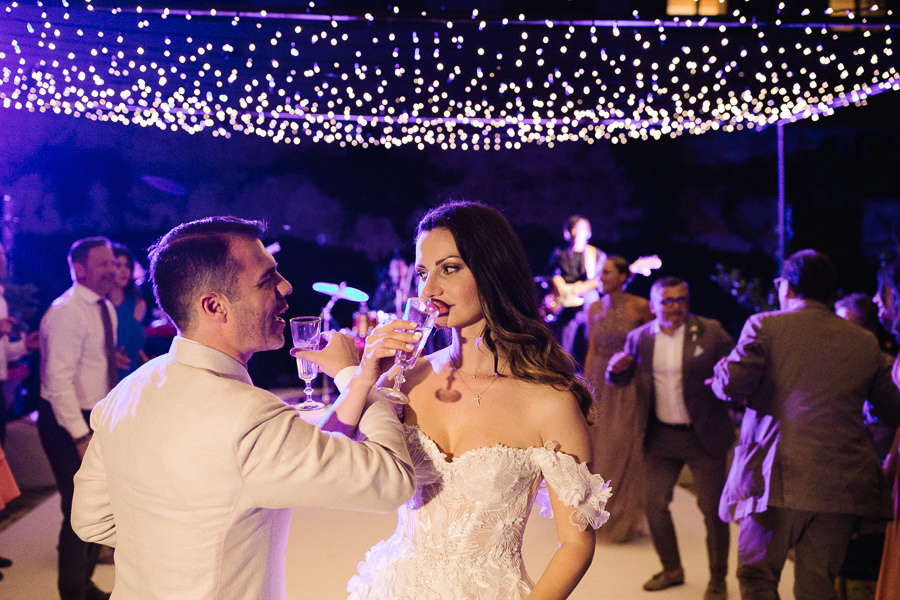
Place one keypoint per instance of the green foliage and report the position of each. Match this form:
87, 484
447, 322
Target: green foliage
748, 291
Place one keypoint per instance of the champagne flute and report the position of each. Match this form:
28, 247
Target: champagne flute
305, 333
423, 313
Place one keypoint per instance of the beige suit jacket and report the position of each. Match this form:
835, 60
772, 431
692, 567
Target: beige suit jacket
192, 471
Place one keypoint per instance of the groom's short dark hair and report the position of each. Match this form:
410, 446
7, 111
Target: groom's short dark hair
195, 258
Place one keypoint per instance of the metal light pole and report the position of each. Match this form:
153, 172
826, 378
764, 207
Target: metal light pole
781, 223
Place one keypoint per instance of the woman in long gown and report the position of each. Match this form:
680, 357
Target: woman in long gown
888, 301
617, 452
490, 417
8, 491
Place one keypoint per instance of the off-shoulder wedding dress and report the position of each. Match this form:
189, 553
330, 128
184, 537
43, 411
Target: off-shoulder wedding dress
460, 536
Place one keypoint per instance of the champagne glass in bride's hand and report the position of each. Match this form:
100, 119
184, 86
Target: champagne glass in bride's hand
423, 313
305, 333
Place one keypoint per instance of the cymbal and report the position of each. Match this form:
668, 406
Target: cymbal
340, 291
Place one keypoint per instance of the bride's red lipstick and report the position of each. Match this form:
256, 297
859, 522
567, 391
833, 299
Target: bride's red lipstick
443, 309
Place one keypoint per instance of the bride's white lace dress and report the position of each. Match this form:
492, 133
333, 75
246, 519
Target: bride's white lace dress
460, 536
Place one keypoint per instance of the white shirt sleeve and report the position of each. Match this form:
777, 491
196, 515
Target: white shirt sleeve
343, 377
62, 340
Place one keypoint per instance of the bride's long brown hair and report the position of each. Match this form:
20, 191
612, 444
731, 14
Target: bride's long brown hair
491, 249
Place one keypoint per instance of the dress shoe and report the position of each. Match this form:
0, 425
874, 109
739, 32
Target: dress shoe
5, 562
716, 590
665, 579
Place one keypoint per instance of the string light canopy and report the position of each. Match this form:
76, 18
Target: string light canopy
455, 81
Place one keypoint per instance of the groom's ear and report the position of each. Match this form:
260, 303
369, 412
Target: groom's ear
212, 307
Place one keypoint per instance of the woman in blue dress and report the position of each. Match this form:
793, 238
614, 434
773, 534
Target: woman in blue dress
130, 309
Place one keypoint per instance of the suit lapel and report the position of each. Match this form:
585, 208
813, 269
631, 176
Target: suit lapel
690, 343
647, 342
692, 335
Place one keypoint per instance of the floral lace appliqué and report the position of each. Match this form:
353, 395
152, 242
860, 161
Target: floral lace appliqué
460, 536
576, 487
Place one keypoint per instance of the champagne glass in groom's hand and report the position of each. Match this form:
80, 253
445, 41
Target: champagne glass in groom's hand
305, 332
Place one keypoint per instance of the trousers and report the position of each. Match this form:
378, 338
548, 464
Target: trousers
819, 541
77, 558
666, 452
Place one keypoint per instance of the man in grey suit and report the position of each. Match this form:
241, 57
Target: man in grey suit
669, 360
803, 469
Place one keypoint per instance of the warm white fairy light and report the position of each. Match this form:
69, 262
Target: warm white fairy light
468, 84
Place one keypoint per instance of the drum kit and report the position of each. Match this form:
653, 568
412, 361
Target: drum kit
306, 334
364, 320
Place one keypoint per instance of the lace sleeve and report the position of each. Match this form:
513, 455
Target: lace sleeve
577, 487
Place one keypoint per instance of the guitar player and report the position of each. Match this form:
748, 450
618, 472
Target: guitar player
574, 268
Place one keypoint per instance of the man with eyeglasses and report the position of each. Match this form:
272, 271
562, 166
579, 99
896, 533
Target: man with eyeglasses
681, 422
804, 470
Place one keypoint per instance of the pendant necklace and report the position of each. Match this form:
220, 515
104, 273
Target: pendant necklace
462, 380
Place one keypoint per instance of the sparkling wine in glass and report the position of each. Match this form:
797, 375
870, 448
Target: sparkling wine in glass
305, 333
422, 313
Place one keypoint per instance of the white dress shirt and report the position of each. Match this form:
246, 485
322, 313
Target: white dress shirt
8, 350
73, 356
191, 472
668, 384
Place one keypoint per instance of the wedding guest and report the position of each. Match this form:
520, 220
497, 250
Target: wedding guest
804, 470
867, 542
864, 551
393, 288
573, 267
10, 350
489, 417
858, 308
681, 423
131, 308
79, 366
888, 301
861, 309
193, 470
615, 417
8, 491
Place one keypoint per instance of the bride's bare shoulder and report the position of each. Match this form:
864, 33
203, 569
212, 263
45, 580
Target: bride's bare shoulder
543, 400
558, 418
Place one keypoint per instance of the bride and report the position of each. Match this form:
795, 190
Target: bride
490, 417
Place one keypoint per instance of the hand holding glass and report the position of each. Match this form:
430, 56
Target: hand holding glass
305, 333
421, 312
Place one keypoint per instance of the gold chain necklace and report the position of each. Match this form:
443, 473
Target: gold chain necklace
462, 380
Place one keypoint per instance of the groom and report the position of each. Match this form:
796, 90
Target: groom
192, 471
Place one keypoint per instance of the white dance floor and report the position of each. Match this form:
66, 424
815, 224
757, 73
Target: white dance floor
325, 546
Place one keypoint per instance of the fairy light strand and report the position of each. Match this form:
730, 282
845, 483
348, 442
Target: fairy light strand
469, 83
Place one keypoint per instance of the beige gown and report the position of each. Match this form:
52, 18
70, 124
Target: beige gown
614, 425
889, 577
